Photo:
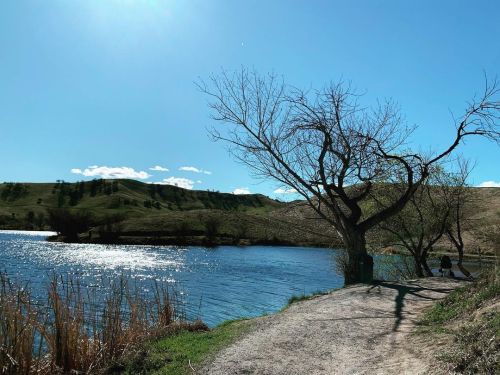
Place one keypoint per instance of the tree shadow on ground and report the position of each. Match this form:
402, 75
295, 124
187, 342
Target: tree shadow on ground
403, 292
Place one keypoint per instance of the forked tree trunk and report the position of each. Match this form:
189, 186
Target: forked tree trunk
360, 264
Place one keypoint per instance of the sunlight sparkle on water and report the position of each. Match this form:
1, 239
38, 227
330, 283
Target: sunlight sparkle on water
29, 233
112, 257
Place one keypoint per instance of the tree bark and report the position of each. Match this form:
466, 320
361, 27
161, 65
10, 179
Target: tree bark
460, 250
460, 265
459, 245
427, 269
360, 264
418, 266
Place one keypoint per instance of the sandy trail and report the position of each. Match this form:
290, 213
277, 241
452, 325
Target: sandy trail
356, 330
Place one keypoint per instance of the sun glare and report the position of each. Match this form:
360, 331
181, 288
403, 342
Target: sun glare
128, 22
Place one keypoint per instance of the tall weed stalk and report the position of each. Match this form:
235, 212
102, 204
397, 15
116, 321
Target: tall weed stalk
77, 329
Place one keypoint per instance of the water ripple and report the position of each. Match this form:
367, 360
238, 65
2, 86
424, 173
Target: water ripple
216, 284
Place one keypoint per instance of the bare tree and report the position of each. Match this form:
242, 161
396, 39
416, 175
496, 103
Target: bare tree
439, 207
422, 222
459, 199
330, 149
487, 236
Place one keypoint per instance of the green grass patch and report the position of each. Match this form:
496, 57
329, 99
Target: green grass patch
470, 318
462, 302
304, 297
179, 353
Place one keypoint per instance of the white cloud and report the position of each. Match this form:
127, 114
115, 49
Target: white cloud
111, 172
158, 168
194, 169
285, 191
489, 184
240, 191
181, 182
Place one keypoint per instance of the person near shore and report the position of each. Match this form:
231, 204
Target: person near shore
445, 267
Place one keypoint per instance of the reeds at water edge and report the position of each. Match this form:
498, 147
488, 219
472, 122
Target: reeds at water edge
17, 329
80, 329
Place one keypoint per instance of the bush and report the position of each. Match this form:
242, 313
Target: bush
111, 227
394, 267
212, 226
69, 224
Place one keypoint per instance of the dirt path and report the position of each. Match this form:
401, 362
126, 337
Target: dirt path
356, 330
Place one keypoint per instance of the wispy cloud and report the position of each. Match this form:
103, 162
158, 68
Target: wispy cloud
489, 184
285, 191
111, 172
181, 182
242, 190
194, 169
158, 168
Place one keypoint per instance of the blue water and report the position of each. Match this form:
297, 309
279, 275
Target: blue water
214, 284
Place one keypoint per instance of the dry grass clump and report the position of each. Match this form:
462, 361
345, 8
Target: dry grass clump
78, 329
17, 329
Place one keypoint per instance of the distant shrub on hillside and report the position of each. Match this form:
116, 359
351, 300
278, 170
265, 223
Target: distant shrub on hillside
110, 227
13, 191
212, 227
69, 224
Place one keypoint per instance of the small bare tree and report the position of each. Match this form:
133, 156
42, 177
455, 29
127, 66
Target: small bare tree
422, 223
459, 199
330, 149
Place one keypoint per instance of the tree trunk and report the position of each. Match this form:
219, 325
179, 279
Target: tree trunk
459, 245
497, 267
428, 271
418, 266
462, 269
360, 264
460, 250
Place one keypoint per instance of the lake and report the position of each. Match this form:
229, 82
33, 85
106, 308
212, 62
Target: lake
215, 284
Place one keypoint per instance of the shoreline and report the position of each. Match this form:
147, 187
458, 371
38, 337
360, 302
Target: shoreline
187, 241
230, 241
312, 335
293, 340
162, 240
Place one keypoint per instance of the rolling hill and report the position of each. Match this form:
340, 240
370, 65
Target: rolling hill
163, 214
150, 213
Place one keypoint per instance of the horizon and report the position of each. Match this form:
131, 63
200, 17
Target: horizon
105, 89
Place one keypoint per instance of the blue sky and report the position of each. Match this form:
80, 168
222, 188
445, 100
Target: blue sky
93, 88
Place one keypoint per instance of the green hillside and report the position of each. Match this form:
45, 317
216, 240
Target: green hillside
129, 196
154, 213
163, 214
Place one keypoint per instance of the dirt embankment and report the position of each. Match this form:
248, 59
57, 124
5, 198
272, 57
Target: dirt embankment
356, 330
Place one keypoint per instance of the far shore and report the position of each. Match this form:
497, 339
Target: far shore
203, 241
230, 241
186, 241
